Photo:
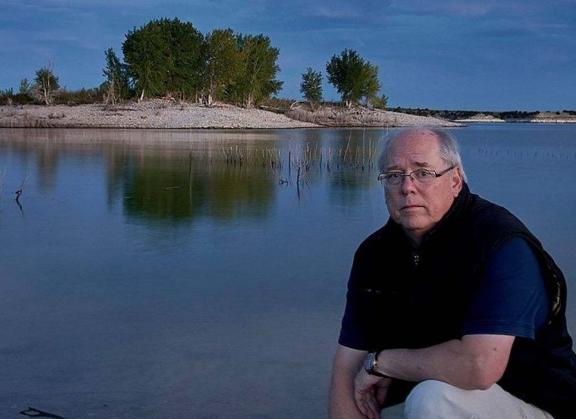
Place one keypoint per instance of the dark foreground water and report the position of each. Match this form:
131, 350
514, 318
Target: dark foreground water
178, 274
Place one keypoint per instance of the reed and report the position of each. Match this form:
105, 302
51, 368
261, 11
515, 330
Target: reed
295, 165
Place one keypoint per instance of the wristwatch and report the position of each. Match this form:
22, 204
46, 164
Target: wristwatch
371, 365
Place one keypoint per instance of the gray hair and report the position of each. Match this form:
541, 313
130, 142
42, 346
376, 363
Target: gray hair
449, 151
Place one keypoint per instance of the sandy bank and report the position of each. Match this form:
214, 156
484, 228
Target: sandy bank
363, 117
481, 117
539, 118
166, 114
151, 114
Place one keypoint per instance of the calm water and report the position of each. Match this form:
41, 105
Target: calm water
177, 274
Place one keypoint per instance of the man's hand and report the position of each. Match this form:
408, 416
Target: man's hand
370, 393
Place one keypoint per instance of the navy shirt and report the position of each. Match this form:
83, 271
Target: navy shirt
512, 299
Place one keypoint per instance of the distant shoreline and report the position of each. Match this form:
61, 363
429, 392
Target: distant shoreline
165, 114
465, 117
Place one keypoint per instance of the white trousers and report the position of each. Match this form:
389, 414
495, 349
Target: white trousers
437, 400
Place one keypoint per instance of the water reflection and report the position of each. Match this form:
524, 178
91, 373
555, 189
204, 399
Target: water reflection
172, 188
176, 176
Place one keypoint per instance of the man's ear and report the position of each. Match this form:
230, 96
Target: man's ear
457, 181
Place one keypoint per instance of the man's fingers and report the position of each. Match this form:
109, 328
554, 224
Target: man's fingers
367, 404
365, 389
360, 402
374, 411
381, 393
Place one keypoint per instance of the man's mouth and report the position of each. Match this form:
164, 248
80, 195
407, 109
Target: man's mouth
408, 207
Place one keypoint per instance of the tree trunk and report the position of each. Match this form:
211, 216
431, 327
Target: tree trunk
46, 99
111, 94
141, 96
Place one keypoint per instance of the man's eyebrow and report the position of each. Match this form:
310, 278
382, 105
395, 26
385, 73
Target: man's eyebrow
398, 168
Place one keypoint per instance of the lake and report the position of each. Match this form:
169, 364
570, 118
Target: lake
199, 274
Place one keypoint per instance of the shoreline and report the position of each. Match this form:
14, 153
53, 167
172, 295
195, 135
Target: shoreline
539, 118
163, 114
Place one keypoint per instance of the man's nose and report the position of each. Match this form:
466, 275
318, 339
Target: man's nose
407, 184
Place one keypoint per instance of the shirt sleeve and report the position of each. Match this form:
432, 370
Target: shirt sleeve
354, 329
512, 298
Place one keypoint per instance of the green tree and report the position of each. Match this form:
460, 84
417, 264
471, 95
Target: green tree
255, 79
25, 87
117, 81
164, 57
222, 62
353, 77
311, 86
6, 96
46, 83
380, 102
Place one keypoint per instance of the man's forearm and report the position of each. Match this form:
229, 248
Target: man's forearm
342, 404
470, 363
346, 364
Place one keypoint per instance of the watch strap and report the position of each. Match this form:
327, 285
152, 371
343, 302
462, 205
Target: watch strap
372, 369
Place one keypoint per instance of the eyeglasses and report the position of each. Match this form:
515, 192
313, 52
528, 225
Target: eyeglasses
422, 176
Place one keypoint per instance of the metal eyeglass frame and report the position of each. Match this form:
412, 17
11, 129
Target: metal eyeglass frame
382, 176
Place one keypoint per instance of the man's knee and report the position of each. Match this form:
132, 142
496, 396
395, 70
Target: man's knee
429, 399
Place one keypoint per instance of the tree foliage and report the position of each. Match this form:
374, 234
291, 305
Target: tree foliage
255, 78
46, 83
353, 77
311, 86
117, 81
25, 87
170, 57
222, 62
164, 57
380, 102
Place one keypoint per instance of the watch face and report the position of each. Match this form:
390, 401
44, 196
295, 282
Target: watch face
369, 362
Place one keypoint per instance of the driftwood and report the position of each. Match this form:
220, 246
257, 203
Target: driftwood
32, 412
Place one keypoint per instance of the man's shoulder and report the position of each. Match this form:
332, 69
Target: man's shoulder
490, 218
487, 226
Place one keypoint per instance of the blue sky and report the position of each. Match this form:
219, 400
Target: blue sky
441, 54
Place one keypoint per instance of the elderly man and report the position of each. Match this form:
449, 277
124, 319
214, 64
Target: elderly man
453, 306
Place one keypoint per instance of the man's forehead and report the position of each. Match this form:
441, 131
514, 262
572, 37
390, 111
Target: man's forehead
416, 136
420, 147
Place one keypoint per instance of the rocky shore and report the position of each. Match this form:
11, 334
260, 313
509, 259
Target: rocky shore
169, 114
537, 118
481, 117
329, 116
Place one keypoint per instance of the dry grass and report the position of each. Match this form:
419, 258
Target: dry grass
333, 116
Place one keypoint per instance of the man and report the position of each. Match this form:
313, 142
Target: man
453, 306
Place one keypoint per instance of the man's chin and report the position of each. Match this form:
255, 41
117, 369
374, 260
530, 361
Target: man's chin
415, 226
413, 223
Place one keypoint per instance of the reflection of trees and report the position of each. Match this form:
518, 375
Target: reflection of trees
347, 157
237, 192
158, 180
178, 189
356, 155
346, 185
45, 155
231, 174
157, 189
47, 164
